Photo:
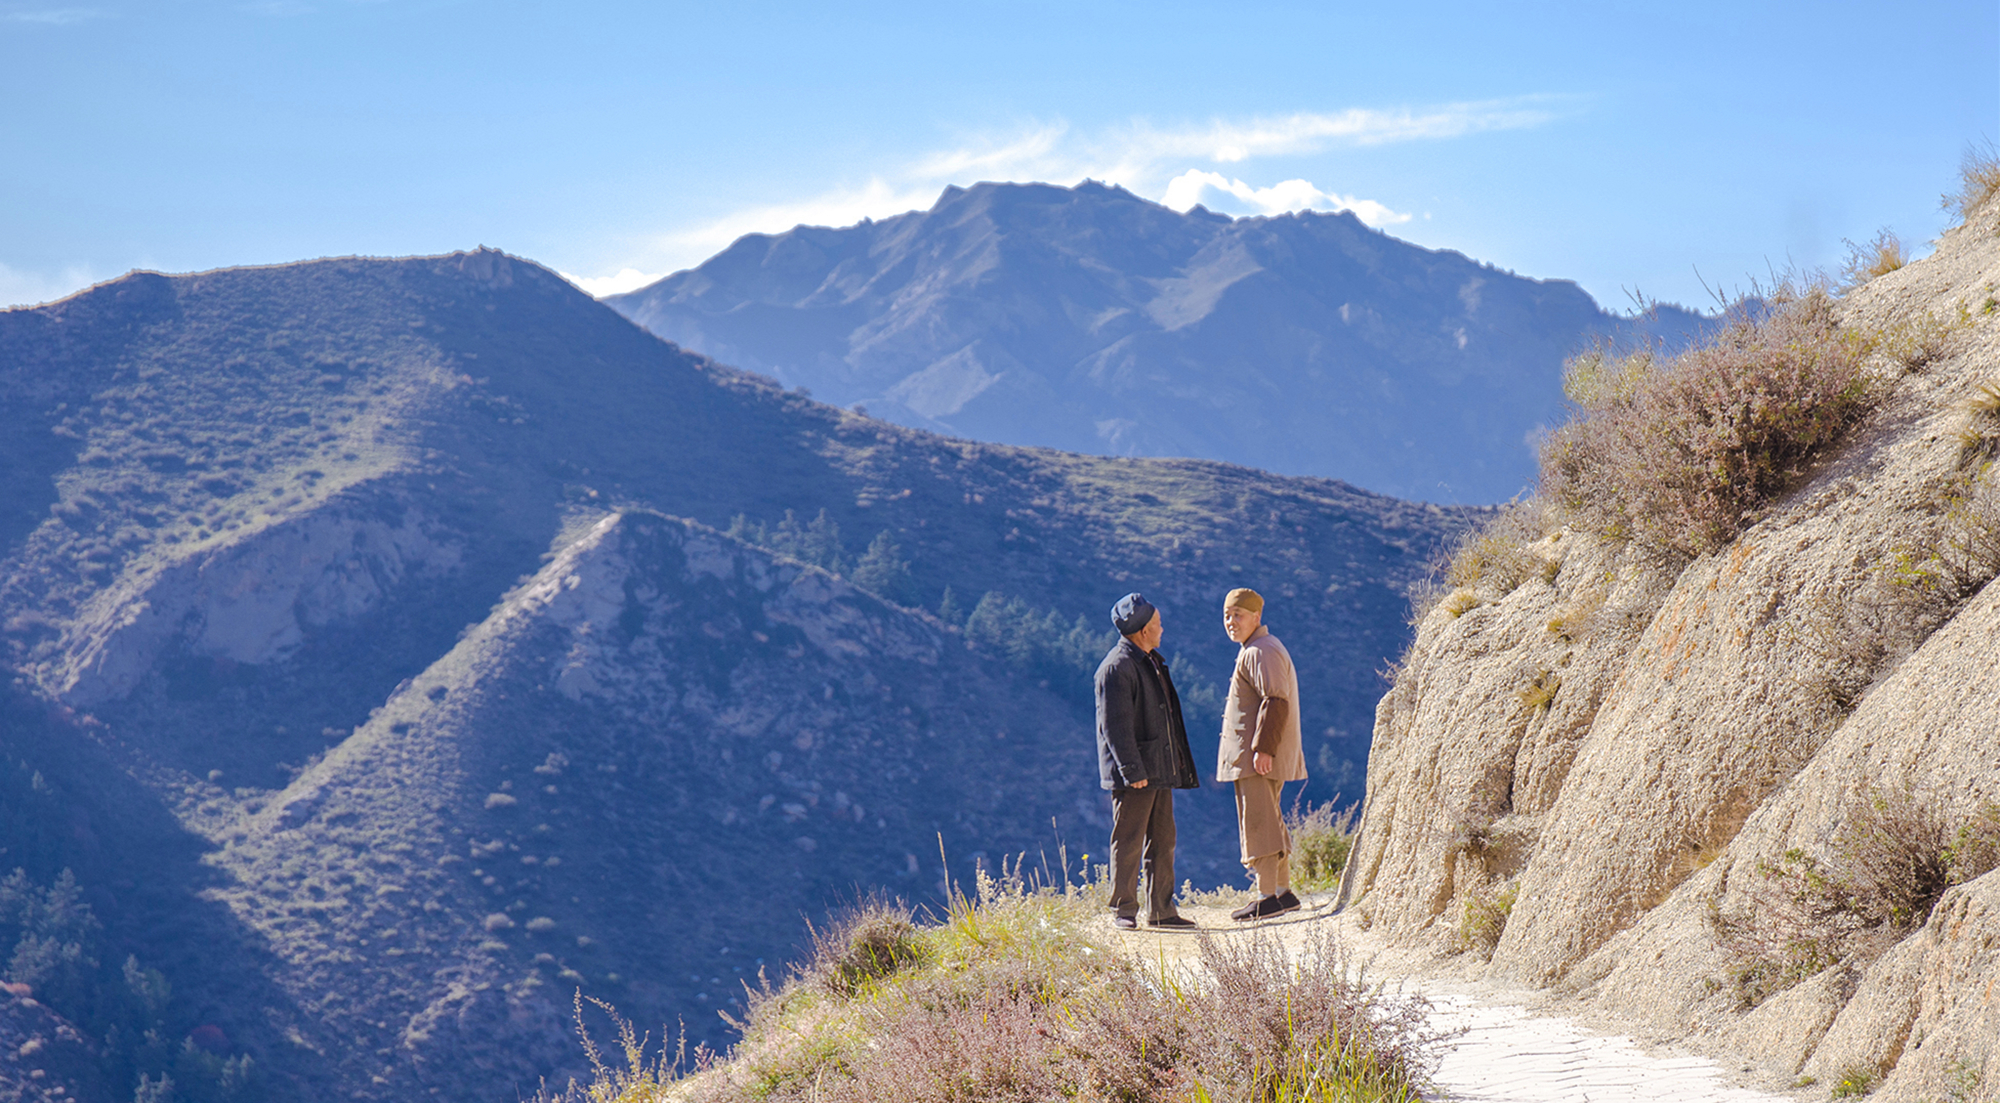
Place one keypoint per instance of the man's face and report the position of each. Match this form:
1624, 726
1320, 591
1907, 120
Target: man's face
1240, 622
1148, 638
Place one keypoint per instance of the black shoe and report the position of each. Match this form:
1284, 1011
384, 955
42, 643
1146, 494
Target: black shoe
1126, 922
1266, 907
1174, 923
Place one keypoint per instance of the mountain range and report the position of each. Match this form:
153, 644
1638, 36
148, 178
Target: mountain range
397, 648
1091, 320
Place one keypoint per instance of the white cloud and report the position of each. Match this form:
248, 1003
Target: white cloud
1208, 188
627, 279
23, 288
53, 16
1149, 160
877, 199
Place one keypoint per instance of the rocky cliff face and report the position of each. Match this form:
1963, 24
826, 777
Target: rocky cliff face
1644, 757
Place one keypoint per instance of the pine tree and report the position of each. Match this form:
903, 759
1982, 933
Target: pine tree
882, 570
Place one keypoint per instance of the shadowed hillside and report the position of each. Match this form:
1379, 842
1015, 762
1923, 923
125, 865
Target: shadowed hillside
1089, 319
376, 623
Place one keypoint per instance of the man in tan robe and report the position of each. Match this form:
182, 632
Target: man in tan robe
1261, 749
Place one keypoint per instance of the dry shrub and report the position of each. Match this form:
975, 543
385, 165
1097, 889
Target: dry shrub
1979, 437
1975, 848
1321, 839
1878, 257
1497, 558
1978, 180
873, 941
1540, 690
1266, 1026
1484, 919
1892, 858
1937, 576
1855, 635
1485, 563
1007, 998
1680, 455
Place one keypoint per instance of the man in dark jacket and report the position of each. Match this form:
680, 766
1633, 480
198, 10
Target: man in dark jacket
1142, 757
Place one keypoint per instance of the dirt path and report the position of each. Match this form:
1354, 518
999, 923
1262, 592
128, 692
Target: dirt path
1511, 1051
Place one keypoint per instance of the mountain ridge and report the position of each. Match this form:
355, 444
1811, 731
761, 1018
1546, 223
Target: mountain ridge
1093, 320
255, 518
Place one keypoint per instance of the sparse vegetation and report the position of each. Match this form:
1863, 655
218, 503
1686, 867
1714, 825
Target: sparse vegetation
1855, 1082
1540, 690
1012, 997
1679, 455
1881, 255
1484, 919
1978, 180
1893, 857
1321, 839
1498, 558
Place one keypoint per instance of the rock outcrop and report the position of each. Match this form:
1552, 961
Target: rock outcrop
1625, 749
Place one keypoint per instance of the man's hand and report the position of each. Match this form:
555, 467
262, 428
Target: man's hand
1140, 784
1262, 763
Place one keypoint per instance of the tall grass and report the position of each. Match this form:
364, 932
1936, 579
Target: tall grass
1012, 995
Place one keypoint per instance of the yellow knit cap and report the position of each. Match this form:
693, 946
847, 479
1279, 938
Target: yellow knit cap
1244, 598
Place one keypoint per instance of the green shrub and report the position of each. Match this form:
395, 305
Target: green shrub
1680, 455
1485, 919
874, 941
1321, 840
1855, 1081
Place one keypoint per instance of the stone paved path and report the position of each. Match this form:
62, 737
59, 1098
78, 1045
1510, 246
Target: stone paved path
1508, 1053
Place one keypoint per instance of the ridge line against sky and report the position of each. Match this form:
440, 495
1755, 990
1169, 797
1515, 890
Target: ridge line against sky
1137, 156
1639, 151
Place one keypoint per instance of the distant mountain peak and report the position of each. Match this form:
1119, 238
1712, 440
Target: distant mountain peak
1094, 320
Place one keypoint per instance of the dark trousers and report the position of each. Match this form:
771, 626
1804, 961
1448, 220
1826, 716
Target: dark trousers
1142, 833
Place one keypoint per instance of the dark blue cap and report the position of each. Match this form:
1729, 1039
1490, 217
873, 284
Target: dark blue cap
1132, 613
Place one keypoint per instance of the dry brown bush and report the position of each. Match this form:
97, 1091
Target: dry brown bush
1680, 455
1891, 859
1010, 998
1978, 180
1879, 256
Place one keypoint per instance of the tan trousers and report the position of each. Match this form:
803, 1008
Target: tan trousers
1267, 843
1142, 835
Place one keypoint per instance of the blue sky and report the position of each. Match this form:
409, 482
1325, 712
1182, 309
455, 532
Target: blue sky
1625, 146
